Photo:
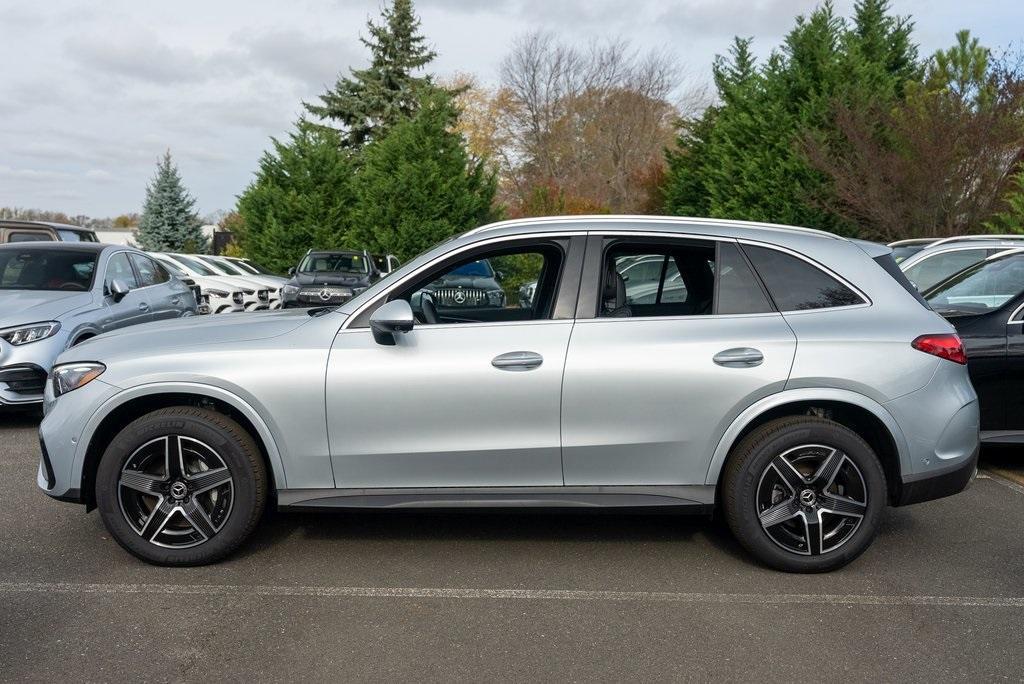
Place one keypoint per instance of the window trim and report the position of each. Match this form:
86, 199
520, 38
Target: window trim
567, 288
866, 301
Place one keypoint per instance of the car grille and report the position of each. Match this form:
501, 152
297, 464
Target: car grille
263, 295
24, 379
460, 296
197, 293
325, 295
237, 297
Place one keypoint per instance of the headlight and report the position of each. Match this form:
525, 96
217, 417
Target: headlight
216, 293
496, 297
291, 289
30, 333
71, 376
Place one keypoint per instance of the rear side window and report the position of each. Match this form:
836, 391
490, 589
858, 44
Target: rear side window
796, 285
31, 236
738, 289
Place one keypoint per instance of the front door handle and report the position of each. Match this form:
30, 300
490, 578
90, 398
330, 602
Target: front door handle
143, 307
739, 357
517, 361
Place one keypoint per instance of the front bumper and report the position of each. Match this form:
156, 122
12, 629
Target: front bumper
23, 369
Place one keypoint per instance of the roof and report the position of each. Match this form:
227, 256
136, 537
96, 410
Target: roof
60, 246
19, 223
645, 222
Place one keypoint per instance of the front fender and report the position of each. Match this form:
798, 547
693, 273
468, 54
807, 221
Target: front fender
752, 412
264, 432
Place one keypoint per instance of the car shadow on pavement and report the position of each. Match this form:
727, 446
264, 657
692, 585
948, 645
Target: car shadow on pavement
494, 525
20, 418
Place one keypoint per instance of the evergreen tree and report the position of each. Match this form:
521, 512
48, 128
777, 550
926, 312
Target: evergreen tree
301, 198
744, 159
169, 221
1010, 219
417, 185
374, 99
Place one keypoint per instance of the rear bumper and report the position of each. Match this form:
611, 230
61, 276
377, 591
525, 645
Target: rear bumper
939, 483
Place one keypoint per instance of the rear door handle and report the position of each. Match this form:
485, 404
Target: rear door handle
143, 307
517, 361
739, 357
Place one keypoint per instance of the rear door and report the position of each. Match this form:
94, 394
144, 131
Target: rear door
168, 297
134, 307
673, 338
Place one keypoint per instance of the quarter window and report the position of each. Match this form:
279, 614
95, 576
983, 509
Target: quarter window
796, 285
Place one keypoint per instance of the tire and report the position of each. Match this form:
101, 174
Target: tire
767, 506
195, 514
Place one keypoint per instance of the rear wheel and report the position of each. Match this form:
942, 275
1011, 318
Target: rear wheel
181, 486
803, 494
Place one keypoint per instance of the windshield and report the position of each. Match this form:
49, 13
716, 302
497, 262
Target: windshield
225, 266
478, 269
196, 265
346, 262
253, 267
980, 288
40, 269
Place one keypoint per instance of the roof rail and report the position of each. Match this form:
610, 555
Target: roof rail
912, 241
968, 238
645, 218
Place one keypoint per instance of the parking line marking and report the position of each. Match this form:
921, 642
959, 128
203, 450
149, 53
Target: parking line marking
507, 594
1006, 482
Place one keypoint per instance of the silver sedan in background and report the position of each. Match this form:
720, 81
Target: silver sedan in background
56, 295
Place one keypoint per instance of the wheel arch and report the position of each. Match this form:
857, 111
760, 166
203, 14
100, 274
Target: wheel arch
126, 406
866, 417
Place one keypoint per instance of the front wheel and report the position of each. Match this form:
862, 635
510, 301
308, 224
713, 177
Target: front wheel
803, 494
181, 486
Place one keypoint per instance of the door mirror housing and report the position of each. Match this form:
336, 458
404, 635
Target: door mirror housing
118, 289
390, 319
291, 270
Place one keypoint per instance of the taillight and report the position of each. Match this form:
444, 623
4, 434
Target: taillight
945, 346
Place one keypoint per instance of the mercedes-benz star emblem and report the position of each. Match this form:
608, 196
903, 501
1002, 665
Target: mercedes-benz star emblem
459, 297
325, 294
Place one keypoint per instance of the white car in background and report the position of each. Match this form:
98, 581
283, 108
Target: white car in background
223, 266
255, 297
223, 298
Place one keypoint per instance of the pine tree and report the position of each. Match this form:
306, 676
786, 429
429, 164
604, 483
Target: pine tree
169, 221
374, 99
1010, 219
744, 158
417, 185
301, 198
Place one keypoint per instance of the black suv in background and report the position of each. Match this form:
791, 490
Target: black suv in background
329, 278
43, 231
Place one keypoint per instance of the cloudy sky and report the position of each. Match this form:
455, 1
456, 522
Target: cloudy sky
92, 93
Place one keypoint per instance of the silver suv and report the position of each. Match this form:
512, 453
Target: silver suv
54, 295
793, 381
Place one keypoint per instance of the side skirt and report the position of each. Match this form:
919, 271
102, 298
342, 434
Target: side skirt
1002, 437
696, 499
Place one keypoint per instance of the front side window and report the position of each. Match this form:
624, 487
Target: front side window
46, 270
982, 287
933, 270
503, 285
118, 268
797, 285
29, 236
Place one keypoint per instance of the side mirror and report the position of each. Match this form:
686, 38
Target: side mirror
291, 271
499, 275
118, 289
393, 317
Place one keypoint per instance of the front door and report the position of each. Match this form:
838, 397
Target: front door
470, 397
684, 338
134, 307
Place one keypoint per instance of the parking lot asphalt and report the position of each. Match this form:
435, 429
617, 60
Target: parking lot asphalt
496, 595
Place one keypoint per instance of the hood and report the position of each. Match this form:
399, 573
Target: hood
306, 278
188, 332
457, 280
31, 306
